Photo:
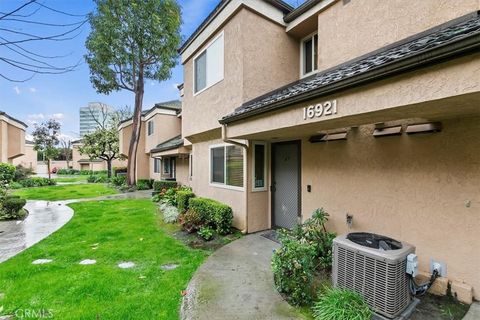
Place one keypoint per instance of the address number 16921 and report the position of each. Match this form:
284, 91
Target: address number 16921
327, 108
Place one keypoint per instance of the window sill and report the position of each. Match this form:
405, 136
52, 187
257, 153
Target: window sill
225, 186
259, 189
206, 88
306, 75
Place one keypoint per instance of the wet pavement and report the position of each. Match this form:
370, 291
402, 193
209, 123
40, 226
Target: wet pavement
44, 218
236, 282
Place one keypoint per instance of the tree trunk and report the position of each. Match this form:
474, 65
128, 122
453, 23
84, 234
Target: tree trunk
136, 127
48, 169
109, 168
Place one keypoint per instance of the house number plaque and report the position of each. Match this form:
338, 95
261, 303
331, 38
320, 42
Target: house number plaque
318, 110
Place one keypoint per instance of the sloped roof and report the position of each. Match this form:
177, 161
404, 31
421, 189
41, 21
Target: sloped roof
281, 5
2, 113
173, 143
457, 37
175, 105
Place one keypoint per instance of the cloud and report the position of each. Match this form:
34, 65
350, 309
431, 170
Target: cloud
33, 89
57, 116
17, 90
65, 137
36, 116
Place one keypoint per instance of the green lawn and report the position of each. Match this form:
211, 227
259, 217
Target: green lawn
73, 191
123, 230
78, 178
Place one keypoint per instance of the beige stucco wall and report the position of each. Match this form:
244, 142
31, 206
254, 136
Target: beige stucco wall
456, 80
359, 27
183, 177
143, 159
12, 141
423, 189
201, 184
76, 156
165, 127
255, 63
29, 159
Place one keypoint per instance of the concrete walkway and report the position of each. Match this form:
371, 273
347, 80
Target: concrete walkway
236, 283
474, 312
44, 218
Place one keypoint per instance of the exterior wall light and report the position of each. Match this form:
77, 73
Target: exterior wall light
424, 128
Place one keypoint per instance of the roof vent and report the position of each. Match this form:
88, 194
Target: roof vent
329, 137
424, 128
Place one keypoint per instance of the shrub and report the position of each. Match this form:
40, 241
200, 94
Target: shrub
12, 208
191, 221
144, 184
341, 304
118, 181
7, 173
293, 267
314, 232
68, 171
156, 198
15, 185
159, 185
37, 182
214, 213
121, 170
91, 179
206, 233
169, 196
22, 172
183, 197
170, 213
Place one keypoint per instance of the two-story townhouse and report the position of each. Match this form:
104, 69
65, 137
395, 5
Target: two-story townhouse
29, 158
161, 154
367, 108
12, 138
83, 162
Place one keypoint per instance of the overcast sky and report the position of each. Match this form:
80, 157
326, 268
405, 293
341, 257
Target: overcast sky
60, 96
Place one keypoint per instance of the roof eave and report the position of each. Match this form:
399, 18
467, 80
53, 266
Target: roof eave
423, 59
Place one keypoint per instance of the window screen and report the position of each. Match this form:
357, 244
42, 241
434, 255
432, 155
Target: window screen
234, 166
208, 66
218, 164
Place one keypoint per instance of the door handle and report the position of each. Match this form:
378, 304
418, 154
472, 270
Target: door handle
273, 188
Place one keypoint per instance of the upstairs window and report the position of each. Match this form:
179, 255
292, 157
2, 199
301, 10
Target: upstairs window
309, 55
208, 65
150, 127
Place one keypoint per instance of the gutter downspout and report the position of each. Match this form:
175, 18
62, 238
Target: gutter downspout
245, 147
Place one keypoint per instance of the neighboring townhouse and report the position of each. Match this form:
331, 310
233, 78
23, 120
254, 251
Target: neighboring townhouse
83, 162
160, 154
367, 108
12, 135
29, 159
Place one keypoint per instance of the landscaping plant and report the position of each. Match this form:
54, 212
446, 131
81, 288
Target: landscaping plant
170, 213
183, 197
191, 221
37, 182
213, 213
118, 181
305, 250
160, 185
293, 266
206, 233
341, 304
12, 208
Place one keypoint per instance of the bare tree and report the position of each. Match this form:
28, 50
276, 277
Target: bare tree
15, 53
66, 146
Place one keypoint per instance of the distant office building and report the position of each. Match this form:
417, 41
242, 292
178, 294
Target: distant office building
92, 114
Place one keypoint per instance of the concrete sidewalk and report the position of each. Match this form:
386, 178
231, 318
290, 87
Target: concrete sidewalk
236, 282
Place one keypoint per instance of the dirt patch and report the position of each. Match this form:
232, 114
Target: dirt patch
194, 241
439, 308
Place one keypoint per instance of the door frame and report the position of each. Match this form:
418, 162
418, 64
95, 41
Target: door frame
298, 143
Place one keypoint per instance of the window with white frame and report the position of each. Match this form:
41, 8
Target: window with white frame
208, 65
156, 165
259, 166
150, 127
309, 54
227, 165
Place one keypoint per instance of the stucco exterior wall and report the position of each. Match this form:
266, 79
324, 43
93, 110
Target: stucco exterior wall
165, 127
361, 26
143, 159
182, 168
258, 57
202, 188
16, 142
29, 159
378, 102
422, 189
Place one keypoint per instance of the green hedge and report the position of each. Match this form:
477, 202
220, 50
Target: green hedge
164, 184
12, 208
214, 213
36, 182
144, 184
183, 197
